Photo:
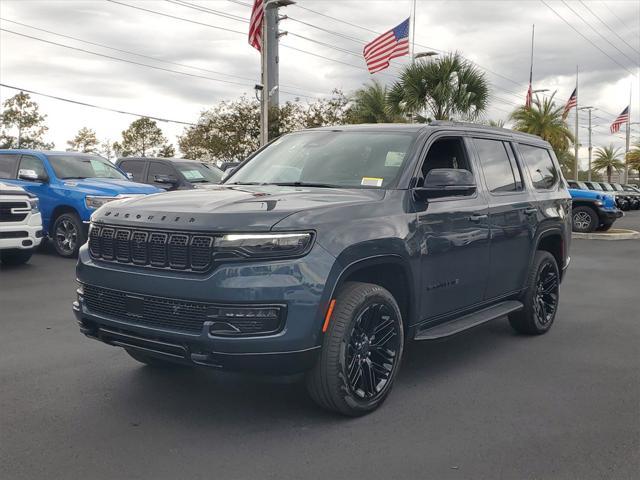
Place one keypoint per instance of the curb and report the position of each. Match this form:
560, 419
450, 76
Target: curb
613, 234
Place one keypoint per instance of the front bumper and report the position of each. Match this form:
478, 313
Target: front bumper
300, 284
22, 236
609, 215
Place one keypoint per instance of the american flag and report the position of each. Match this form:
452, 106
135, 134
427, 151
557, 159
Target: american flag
622, 118
529, 97
392, 44
255, 25
572, 102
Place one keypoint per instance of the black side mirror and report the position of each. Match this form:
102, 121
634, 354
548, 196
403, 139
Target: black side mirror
446, 182
165, 180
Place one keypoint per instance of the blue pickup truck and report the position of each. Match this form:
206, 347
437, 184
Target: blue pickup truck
70, 186
591, 210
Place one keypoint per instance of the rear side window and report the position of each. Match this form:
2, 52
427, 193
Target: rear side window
8, 164
538, 161
134, 167
500, 173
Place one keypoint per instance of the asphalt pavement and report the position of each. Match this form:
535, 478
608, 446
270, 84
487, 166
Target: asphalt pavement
488, 404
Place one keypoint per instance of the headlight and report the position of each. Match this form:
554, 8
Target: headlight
598, 203
96, 202
264, 245
34, 204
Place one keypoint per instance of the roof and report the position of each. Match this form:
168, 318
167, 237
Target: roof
159, 159
48, 152
434, 125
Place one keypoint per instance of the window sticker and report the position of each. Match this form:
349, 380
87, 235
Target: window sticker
394, 159
371, 182
192, 174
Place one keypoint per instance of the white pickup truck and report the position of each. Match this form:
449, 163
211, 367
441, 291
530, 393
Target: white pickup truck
20, 224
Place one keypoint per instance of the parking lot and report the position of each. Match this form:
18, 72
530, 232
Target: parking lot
487, 404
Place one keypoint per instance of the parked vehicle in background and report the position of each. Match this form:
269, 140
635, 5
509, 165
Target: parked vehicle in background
229, 166
327, 250
608, 187
70, 187
631, 188
20, 224
621, 202
631, 195
591, 210
170, 173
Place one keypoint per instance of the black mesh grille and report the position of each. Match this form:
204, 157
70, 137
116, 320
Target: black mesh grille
172, 250
7, 216
171, 314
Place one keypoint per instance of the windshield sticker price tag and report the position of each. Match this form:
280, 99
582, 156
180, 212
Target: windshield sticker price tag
371, 182
192, 174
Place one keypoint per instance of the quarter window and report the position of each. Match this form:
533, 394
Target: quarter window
538, 161
8, 165
497, 166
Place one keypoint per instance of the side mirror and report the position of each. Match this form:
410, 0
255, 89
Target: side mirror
129, 175
166, 180
29, 175
446, 182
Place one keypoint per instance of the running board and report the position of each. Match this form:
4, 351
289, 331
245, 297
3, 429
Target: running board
466, 322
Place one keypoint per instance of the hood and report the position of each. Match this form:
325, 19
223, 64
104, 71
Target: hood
228, 208
7, 189
606, 198
109, 186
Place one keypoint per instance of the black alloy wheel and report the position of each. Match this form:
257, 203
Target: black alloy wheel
361, 351
68, 235
372, 351
546, 297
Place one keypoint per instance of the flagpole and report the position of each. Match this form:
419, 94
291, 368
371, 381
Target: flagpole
628, 139
413, 33
576, 143
533, 32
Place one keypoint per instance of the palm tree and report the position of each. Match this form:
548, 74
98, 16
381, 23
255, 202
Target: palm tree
608, 158
545, 120
443, 89
370, 105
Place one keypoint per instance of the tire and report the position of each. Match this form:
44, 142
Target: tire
584, 219
362, 312
15, 256
540, 308
152, 361
67, 235
605, 227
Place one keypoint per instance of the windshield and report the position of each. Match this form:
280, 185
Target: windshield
330, 159
196, 172
595, 186
75, 166
618, 187
582, 186
607, 187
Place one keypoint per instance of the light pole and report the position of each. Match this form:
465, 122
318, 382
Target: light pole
589, 109
430, 53
269, 57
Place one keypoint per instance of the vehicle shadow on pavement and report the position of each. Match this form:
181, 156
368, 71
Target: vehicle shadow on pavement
206, 398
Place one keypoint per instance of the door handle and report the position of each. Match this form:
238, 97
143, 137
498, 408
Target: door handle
530, 211
476, 217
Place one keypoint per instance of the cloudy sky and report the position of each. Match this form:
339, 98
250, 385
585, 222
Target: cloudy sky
211, 51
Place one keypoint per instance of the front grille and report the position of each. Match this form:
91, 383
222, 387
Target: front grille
181, 315
160, 249
6, 214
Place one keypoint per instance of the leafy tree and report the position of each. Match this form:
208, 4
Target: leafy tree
84, 141
566, 159
167, 151
106, 149
143, 138
231, 130
370, 105
443, 89
608, 159
633, 158
21, 113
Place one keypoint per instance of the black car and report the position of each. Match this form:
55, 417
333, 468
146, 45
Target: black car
630, 194
170, 173
328, 250
621, 200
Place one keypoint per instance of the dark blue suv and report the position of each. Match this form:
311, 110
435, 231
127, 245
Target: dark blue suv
70, 187
328, 249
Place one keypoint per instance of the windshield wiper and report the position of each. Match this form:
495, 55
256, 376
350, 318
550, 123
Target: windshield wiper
305, 184
245, 183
